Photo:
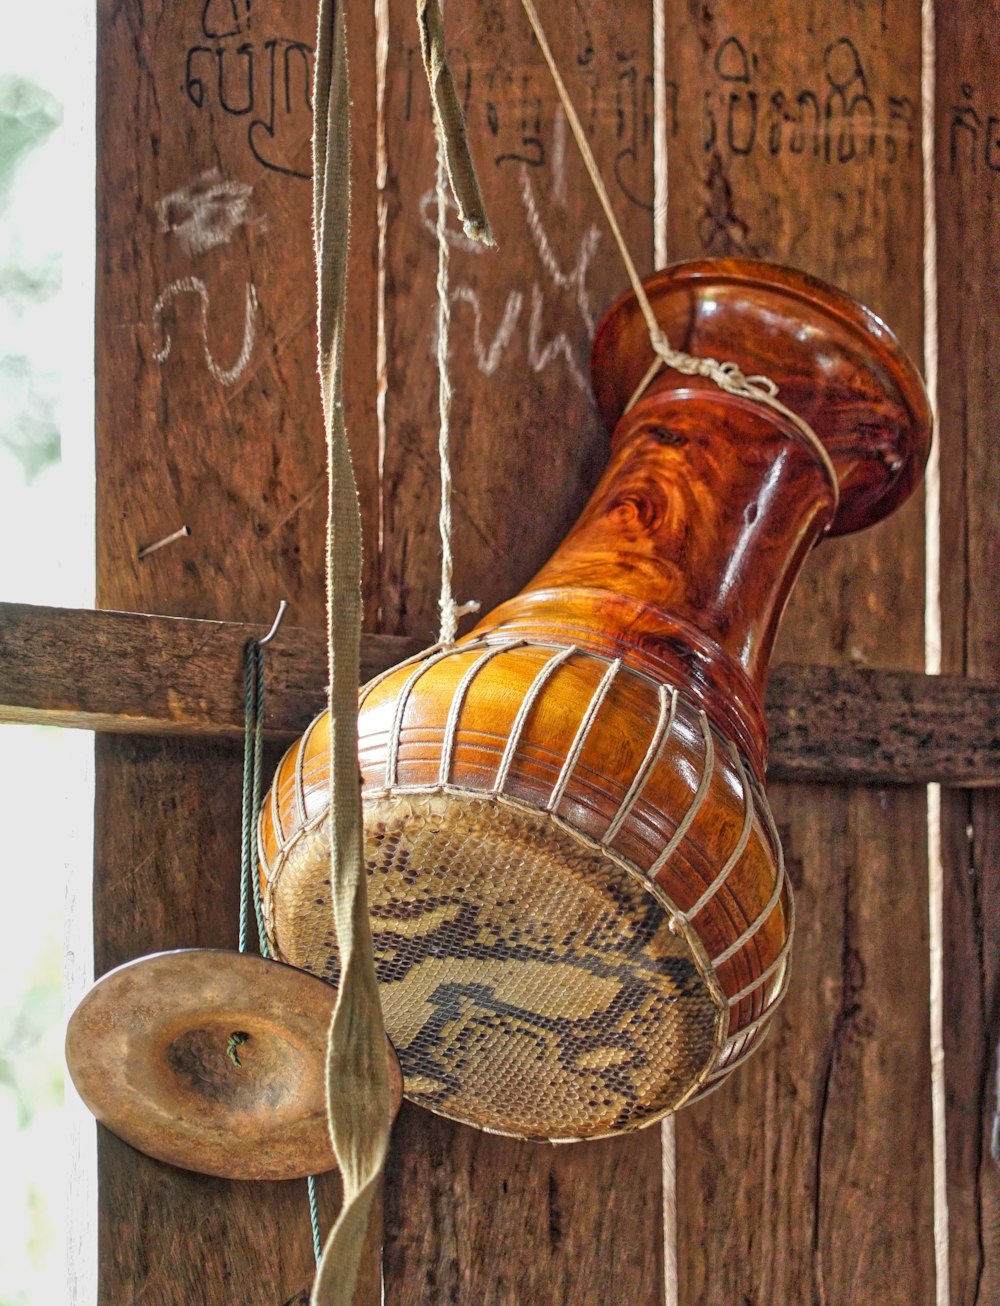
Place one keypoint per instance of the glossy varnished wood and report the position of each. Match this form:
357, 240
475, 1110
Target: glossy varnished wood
688, 550
674, 578
612, 757
527, 448
819, 189
859, 391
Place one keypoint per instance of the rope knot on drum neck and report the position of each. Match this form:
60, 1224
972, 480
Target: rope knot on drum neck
727, 376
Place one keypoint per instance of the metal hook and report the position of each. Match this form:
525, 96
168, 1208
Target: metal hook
275, 625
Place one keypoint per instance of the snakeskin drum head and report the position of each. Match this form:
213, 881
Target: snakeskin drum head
531, 984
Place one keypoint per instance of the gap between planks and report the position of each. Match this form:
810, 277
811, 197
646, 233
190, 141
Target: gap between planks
932, 656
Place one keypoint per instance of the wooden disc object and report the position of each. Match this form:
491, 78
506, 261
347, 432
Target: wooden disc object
213, 1061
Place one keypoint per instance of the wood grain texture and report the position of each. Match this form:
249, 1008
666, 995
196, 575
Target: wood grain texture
206, 306
138, 674
168, 1236
208, 414
557, 1232
527, 442
968, 197
527, 448
798, 140
793, 135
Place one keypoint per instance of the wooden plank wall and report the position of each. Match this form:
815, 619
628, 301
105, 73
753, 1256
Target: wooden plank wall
799, 140
968, 198
207, 415
471, 1218
792, 135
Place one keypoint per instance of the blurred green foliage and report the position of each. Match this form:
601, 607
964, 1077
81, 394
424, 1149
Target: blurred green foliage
28, 115
28, 396
38, 217
28, 425
34, 1079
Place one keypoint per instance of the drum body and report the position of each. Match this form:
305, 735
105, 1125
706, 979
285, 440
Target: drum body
579, 908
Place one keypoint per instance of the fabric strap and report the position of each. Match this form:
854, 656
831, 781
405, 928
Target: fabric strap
357, 1087
450, 123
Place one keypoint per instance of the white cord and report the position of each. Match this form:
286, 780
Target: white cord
450, 610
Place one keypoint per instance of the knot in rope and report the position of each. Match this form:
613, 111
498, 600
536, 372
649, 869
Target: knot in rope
451, 614
726, 375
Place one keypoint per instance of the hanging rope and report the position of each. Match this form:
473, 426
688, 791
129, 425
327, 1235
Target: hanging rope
248, 844
358, 1103
253, 781
253, 789
357, 1084
450, 127
450, 611
727, 376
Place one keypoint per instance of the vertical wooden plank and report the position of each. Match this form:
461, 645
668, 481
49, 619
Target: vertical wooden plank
209, 410
208, 415
473, 1218
968, 197
527, 444
799, 140
167, 873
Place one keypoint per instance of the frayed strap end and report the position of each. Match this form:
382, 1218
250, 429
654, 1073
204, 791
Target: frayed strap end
479, 229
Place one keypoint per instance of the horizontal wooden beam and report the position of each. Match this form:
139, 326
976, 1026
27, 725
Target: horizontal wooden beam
134, 673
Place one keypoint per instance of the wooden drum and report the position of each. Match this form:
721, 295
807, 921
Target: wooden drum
580, 913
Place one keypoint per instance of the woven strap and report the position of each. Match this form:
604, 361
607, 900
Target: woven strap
450, 123
358, 1103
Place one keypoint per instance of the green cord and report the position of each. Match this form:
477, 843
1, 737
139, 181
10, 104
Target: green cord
258, 789
248, 843
253, 789
253, 786
314, 1218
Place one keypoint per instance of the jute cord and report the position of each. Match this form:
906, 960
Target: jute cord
450, 611
726, 375
454, 163
357, 1082
253, 787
